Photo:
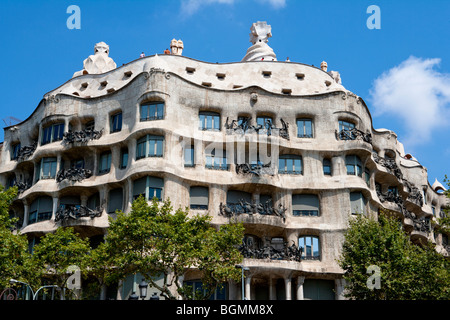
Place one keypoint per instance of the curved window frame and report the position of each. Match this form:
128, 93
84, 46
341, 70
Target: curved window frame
150, 111
52, 132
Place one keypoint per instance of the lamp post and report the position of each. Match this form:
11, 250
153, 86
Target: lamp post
143, 289
34, 294
242, 278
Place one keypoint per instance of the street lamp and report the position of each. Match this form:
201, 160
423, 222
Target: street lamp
143, 289
242, 277
13, 281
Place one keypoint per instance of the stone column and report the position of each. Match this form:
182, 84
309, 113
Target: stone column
300, 281
288, 288
340, 286
129, 197
337, 166
119, 290
26, 213
272, 288
55, 207
248, 280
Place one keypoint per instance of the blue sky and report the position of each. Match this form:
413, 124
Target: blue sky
402, 71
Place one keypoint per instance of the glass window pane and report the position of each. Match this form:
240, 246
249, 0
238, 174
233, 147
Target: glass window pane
151, 147
209, 122
159, 147
202, 122
160, 111
297, 166
308, 128
315, 247
216, 122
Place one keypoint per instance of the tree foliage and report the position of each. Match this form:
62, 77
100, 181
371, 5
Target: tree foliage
155, 241
408, 271
15, 260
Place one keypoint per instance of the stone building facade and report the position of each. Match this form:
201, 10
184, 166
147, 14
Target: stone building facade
282, 146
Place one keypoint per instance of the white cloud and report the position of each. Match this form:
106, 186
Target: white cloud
415, 93
189, 7
274, 3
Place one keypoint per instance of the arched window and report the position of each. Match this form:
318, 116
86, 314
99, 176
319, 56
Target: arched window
152, 111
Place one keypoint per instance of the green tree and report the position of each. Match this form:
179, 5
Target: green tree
155, 241
407, 271
57, 251
15, 259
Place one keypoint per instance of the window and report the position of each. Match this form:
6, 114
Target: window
123, 158
216, 160
67, 202
89, 125
149, 187
152, 111
52, 133
305, 128
305, 205
327, 167
41, 209
357, 203
189, 156
116, 122
48, 168
115, 200
433, 209
77, 164
290, 164
149, 146
310, 246
264, 122
345, 129
15, 148
199, 198
209, 121
93, 201
345, 125
105, 162
236, 199
354, 165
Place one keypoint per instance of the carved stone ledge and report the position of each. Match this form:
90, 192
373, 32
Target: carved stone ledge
82, 136
74, 212
73, 174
